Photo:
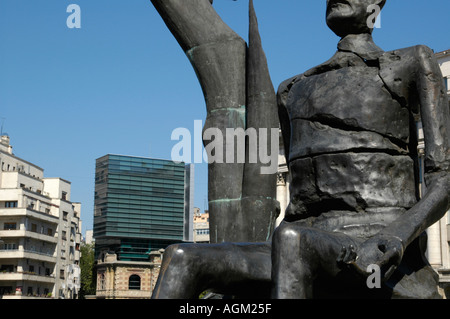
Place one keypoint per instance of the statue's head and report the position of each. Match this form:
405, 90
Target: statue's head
352, 16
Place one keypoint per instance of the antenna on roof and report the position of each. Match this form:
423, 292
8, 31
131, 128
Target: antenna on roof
1, 128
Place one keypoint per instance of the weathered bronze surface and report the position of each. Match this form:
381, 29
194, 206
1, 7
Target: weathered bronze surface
350, 142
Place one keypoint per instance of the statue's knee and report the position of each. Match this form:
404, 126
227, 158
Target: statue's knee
287, 232
175, 254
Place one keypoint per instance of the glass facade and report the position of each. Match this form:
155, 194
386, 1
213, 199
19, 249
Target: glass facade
139, 205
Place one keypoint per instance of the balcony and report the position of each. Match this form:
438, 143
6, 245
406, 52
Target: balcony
26, 276
13, 233
13, 296
11, 212
35, 255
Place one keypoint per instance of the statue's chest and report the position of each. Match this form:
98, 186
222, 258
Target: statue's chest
352, 98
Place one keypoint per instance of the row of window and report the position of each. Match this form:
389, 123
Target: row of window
142, 171
11, 204
169, 196
134, 282
99, 232
33, 228
9, 168
138, 212
145, 179
162, 163
32, 269
160, 201
135, 208
138, 220
146, 190
148, 229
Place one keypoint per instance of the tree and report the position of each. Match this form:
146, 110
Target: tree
88, 273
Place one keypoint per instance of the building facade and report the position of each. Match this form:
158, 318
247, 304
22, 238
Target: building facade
40, 232
127, 279
140, 205
201, 226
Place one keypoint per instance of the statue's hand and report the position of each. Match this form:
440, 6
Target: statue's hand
385, 251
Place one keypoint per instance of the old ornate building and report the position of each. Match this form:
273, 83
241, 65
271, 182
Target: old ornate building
118, 279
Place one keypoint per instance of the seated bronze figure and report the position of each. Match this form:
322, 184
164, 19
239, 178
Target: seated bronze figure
350, 142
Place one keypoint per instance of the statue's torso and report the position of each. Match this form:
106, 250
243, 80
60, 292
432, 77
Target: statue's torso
349, 149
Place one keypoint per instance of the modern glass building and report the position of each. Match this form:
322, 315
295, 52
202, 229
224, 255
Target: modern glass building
141, 204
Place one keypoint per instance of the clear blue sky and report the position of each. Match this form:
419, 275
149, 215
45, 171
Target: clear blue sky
121, 84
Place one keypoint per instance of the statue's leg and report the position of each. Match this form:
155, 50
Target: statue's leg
299, 253
231, 268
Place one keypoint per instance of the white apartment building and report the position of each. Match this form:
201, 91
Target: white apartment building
40, 232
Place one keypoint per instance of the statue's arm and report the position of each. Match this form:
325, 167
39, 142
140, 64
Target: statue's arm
193, 22
387, 247
434, 111
283, 115
216, 52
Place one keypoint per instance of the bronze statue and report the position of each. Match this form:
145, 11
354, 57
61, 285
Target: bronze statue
351, 145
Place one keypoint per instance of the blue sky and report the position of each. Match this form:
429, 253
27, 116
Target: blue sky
121, 84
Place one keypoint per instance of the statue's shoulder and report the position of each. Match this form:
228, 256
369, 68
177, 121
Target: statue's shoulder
407, 56
288, 83
399, 70
285, 87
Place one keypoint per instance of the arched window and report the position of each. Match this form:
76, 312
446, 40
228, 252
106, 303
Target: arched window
134, 282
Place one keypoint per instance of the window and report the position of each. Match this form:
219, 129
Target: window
202, 231
34, 228
7, 268
61, 274
64, 195
9, 226
102, 281
11, 204
10, 246
65, 214
134, 282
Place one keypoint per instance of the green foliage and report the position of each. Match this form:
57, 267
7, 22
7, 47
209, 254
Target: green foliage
88, 273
